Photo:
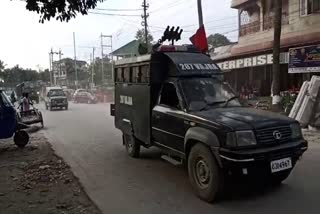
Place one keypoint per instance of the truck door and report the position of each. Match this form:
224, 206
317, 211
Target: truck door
168, 128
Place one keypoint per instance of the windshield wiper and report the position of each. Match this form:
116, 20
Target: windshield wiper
230, 99
210, 104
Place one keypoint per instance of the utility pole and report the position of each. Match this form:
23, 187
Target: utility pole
51, 53
102, 55
50, 67
93, 49
102, 70
200, 13
60, 72
145, 21
275, 87
75, 59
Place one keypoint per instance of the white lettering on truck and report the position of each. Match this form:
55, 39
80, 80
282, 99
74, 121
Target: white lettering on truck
197, 66
126, 100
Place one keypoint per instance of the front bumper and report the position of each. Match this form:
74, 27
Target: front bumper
257, 161
58, 105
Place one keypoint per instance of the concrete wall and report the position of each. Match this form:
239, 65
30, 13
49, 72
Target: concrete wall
300, 30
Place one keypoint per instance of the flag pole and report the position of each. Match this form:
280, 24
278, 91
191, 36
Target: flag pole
200, 13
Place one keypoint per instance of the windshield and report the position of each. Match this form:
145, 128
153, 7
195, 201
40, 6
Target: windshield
55, 93
202, 93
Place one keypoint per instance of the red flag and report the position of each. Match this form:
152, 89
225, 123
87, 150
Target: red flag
199, 40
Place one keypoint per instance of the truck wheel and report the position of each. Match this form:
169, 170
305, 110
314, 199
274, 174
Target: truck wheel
21, 138
204, 173
46, 106
132, 145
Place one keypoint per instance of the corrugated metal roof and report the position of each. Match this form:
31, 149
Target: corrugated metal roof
129, 49
222, 52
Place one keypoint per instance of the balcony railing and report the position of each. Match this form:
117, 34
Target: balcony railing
269, 20
250, 28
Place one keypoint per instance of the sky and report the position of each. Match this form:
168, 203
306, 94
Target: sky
27, 43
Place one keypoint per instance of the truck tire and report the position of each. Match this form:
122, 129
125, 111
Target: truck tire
46, 106
132, 145
204, 173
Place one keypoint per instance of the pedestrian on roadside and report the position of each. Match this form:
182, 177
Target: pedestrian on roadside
26, 102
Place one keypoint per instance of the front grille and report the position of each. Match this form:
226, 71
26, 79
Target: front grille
266, 135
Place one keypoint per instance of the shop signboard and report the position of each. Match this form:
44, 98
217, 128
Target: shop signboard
304, 59
252, 61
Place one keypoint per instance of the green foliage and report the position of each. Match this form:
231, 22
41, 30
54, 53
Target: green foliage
217, 40
15, 75
62, 10
2, 66
140, 36
97, 76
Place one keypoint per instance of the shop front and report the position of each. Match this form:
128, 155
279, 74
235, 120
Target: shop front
251, 76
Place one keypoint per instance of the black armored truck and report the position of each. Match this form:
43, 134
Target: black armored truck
176, 99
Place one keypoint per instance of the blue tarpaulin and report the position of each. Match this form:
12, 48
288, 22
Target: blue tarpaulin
7, 117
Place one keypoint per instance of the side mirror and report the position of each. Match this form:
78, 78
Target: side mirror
112, 109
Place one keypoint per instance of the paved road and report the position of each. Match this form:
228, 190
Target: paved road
86, 138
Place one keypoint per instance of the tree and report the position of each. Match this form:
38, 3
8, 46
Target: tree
217, 40
62, 10
1, 66
97, 76
44, 75
140, 36
16, 75
275, 87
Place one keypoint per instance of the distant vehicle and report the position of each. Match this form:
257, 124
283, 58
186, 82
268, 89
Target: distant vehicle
69, 93
78, 91
84, 97
55, 98
33, 89
175, 99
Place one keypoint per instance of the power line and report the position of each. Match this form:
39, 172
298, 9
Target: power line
109, 9
166, 7
113, 14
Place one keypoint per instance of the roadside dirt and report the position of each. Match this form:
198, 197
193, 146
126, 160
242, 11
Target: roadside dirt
35, 180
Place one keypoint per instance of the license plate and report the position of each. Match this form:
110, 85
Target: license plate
280, 165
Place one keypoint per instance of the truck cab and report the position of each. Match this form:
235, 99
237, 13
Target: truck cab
177, 100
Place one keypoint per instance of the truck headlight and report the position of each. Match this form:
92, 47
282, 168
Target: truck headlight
295, 130
241, 138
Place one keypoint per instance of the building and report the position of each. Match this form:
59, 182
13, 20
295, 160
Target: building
128, 50
63, 71
249, 62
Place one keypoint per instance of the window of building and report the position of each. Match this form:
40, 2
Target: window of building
309, 6
244, 17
